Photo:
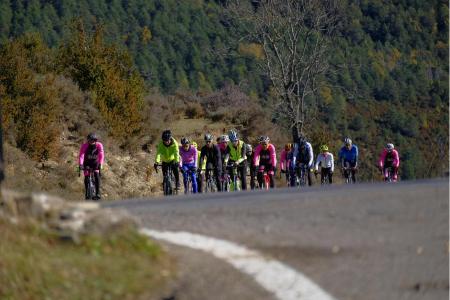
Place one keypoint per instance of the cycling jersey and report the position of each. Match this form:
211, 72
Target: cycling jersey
389, 159
167, 153
351, 156
91, 155
303, 154
285, 160
236, 154
265, 156
326, 160
189, 156
211, 155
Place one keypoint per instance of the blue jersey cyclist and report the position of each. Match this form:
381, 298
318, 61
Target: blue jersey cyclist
348, 158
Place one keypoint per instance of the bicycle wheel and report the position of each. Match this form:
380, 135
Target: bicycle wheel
91, 187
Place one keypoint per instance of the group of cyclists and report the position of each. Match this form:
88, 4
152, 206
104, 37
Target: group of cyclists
230, 157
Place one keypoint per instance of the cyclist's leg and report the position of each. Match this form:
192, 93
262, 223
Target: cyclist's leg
217, 178
86, 187
252, 177
395, 175
243, 173
193, 179
308, 172
97, 185
174, 165
330, 176
292, 176
354, 172
322, 175
260, 178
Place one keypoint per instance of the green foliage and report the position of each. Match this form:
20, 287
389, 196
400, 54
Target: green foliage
108, 73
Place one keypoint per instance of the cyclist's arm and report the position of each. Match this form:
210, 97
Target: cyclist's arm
382, 158
332, 162
158, 154
294, 156
356, 155
243, 154
311, 156
256, 155
81, 155
318, 160
101, 154
396, 161
273, 156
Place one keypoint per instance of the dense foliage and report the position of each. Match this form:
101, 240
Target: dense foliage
390, 81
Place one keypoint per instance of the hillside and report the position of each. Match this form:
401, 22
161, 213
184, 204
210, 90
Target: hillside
152, 62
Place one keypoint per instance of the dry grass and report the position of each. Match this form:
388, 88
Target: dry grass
35, 264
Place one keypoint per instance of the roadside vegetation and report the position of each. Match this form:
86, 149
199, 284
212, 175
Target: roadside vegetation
36, 264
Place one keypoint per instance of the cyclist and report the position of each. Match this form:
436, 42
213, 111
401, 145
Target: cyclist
235, 156
200, 168
250, 153
303, 156
265, 155
326, 161
389, 159
167, 151
285, 161
348, 157
210, 156
189, 155
91, 158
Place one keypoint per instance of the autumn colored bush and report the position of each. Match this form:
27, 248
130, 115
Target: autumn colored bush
108, 73
31, 109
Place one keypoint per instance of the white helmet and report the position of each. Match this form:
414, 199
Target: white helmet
390, 146
224, 138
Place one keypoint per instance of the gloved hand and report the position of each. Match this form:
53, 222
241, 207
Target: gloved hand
155, 166
80, 167
194, 169
331, 172
283, 171
315, 172
182, 170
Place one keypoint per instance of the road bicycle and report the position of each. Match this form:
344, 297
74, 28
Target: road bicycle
303, 173
231, 182
347, 173
91, 192
390, 173
210, 182
168, 182
265, 182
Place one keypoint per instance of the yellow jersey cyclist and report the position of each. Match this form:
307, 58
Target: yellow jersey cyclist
235, 156
167, 154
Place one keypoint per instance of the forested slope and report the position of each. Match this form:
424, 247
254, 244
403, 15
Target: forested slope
390, 81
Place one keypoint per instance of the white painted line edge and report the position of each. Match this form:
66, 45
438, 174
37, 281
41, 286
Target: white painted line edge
276, 277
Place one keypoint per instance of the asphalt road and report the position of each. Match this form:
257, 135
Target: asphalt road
364, 241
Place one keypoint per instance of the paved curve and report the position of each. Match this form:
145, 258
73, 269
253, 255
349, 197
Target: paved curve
366, 241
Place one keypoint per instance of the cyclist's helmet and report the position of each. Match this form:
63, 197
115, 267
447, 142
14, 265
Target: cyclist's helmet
288, 147
389, 147
208, 137
233, 136
347, 141
264, 139
166, 135
224, 139
185, 141
248, 149
324, 148
92, 137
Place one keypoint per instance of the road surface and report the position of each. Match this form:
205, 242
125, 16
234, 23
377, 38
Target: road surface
364, 241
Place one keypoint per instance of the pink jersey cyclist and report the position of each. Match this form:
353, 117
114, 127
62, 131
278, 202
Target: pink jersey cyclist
91, 157
265, 156
389, 159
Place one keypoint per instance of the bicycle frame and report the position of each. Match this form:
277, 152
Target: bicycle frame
266, 179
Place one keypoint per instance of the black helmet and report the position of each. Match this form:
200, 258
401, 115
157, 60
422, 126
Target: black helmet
92, 137
208, 137
166, 135
185, 141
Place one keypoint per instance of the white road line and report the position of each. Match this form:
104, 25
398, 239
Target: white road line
276, 277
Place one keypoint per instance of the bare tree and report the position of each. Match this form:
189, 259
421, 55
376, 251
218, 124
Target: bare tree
296, 36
